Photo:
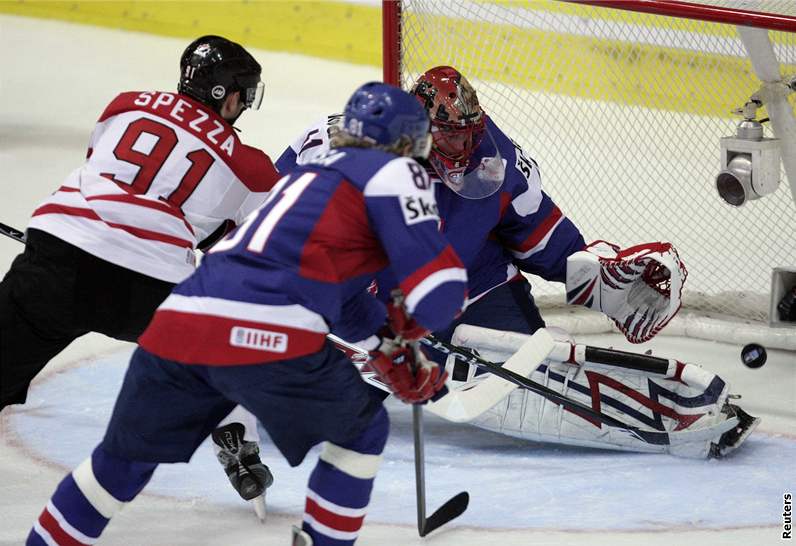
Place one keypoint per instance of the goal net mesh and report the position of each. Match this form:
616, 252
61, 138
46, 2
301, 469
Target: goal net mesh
623, 111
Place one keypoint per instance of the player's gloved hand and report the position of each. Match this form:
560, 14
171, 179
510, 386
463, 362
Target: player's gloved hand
403, 325
407, 372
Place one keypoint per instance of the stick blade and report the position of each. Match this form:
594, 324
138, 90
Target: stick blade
452, 509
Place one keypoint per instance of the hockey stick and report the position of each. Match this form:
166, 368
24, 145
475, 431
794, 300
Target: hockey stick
648, 436
15, 234
582, 356
561, 352
577, 353
453, 507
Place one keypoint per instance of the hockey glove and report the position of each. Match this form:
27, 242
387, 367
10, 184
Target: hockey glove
639, 288
403, 325
407, 372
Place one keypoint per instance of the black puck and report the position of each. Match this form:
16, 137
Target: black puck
753, 355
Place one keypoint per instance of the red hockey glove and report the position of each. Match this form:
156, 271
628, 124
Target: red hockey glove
403, 325
407, 372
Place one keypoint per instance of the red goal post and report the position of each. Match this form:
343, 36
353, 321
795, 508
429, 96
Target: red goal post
623, 104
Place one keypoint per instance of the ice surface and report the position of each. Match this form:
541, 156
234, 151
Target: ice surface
55, 80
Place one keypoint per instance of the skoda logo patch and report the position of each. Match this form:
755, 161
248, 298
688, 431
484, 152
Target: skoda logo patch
218, 92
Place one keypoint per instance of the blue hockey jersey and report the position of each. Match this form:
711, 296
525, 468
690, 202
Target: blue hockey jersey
517, 228
299, 267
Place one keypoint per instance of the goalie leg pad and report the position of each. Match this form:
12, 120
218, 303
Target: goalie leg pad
696, 400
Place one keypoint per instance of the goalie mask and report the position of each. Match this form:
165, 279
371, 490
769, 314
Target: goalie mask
457, 128
212, 68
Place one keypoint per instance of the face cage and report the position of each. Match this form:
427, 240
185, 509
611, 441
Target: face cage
454, 143
252, 97
483, 179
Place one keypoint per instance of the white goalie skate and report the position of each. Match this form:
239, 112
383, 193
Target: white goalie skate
732, 439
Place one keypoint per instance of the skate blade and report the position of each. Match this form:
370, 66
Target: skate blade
258, 503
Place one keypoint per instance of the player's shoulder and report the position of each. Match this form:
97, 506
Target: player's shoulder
375, 172
123, 102
315, 140
522, 171
255, 169
399, 176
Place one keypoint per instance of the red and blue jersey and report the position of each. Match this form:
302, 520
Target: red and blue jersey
300, 265
518, 228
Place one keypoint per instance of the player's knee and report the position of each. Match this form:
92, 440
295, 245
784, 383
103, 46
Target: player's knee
120, 477
361, 456
374, 437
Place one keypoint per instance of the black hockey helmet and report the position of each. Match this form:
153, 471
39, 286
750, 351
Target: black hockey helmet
212, 67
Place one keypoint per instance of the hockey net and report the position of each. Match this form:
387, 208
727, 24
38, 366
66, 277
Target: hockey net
623, 111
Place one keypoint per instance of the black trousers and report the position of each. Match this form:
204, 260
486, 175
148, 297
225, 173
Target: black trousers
55, 293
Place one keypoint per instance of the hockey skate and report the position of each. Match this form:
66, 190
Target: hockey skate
241, 461
732, 439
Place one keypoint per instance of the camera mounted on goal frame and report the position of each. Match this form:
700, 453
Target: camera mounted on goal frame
750, 162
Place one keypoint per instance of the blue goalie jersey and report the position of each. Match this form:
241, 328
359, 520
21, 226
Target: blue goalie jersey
518, 228
299, 267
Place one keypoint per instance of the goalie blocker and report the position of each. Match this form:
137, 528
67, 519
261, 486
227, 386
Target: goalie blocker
687, 398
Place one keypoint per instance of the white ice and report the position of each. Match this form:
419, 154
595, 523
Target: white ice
55, 79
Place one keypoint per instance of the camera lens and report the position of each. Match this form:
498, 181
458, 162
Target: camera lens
730, 189
735, 182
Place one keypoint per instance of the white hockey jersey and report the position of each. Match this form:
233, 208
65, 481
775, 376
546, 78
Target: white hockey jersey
163, 172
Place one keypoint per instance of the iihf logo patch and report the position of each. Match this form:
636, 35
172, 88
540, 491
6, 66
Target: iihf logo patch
258, 340
218, 92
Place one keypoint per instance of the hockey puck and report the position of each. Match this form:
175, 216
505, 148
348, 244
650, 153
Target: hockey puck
753, 355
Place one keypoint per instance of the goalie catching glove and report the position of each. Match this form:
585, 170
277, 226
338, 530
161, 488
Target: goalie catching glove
639, 288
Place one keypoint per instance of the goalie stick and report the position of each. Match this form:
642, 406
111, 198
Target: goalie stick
470, 403
465, 404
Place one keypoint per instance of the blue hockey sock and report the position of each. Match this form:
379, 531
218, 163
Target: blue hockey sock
87, 499
339, 487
